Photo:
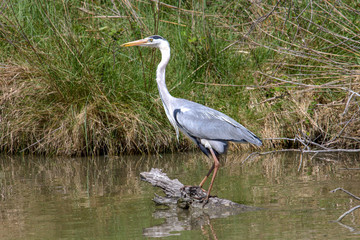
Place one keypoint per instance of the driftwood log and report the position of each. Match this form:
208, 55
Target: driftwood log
184, 210
189, 197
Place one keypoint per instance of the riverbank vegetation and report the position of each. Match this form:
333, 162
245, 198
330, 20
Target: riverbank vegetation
288, 71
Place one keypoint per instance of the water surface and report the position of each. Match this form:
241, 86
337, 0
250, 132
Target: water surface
103, 197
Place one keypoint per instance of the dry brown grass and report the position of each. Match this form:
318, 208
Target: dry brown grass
28, 125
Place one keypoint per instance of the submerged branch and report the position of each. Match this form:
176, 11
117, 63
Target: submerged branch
302, 151
345, 191
347, 212
352, 209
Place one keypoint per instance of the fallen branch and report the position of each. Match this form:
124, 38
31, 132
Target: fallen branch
346, 213
349, 168
352, 209
351, 229
301, 151
345, 191
184, 197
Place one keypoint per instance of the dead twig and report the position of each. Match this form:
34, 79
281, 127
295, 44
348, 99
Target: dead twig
349, 168
346, 213
347, 192
351, 229
300, 162
352, 209
302, 151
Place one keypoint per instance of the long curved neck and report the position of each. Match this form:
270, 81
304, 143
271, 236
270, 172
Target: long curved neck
160, 72
165, 96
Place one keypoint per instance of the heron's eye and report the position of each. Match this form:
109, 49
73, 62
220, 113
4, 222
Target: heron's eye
151, 39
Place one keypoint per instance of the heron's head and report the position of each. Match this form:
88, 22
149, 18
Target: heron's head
152, 41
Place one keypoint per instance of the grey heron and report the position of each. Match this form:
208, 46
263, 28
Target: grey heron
211, 130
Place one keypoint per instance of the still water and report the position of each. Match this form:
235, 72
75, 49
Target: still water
103, 197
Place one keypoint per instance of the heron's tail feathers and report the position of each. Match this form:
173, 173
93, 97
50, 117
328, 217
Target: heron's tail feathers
248, 137
255, 140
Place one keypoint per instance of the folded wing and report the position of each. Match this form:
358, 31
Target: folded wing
206, 123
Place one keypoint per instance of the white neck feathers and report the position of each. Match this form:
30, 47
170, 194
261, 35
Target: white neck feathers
165, 96
160, 72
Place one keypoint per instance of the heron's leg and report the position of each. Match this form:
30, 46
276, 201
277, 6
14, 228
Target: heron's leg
207, 175
216, 167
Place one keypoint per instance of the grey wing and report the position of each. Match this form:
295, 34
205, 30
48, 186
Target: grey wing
206, 123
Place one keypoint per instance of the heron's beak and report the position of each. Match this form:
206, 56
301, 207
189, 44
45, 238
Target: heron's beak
134, 43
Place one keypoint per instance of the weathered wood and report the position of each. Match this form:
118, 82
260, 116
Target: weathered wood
189, 197
352, 209
159, 179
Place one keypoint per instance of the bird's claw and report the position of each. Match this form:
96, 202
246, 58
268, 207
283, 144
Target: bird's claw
205, 201
194, 192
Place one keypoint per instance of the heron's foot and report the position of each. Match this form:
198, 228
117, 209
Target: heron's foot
193, 192
205, 201
193, 186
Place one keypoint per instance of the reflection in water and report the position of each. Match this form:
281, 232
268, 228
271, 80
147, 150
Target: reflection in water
176, 221
277, 172
351, 229
103, 197
184, 213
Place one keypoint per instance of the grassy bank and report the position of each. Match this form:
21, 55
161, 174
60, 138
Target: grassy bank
283, 69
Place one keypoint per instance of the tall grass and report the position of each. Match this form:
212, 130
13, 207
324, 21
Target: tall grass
312, 78
283, 69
